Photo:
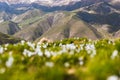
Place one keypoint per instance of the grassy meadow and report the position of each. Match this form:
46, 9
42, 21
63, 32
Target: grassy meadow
68, 59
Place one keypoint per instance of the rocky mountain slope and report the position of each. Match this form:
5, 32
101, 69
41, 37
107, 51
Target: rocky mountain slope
4, 39
103, 16
57, 26
52, 19
9, 27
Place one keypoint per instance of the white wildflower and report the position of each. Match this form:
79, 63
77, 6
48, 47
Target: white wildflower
22, 42
47, 53
28, 53
45, 46
77, 38
54, 45
9, 61
81, 59
49, 64
78, 50
38, 51
81, 63
39, 43
6, 45
113, 43
1, 49
66, 64
15, 45
114, 54
25, 52
60, 44
89, 40
81, 46
10, 53
93, 53
71, 46
60, 52
5, 48
113, 77
109, 42
90, 48
31, 45
63, 50
53, 53
71, 52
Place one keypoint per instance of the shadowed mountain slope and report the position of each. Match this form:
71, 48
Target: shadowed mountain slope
58, 25
7, 39
9, 27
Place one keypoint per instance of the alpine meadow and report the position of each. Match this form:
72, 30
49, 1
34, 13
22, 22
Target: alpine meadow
59, 39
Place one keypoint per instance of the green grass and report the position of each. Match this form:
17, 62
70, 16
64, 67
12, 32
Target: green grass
68, 59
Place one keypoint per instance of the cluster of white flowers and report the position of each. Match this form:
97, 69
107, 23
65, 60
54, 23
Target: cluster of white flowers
47, 53
43, 50
64, 48
38, 50
6, 46
68, 48
90, 48
79, 48
28, 53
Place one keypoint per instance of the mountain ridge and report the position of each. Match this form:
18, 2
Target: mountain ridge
42, 2
94, 19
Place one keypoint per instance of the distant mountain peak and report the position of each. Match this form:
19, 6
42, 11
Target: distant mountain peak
42, 2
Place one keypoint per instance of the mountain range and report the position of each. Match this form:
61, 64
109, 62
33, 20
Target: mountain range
42, 2
58, 19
